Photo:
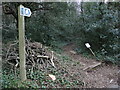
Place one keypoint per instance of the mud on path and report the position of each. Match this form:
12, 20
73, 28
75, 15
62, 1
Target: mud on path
102, 76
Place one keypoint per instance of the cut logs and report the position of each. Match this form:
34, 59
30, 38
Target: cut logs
35, 53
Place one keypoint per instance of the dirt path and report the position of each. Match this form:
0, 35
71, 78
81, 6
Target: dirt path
102, 76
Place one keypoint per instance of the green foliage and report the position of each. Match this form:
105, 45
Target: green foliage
9, 81
39, 78
63, 22
53, 25
66, 58
101, 29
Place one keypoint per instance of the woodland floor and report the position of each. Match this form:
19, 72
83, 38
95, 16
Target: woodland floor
70, 67
102, 76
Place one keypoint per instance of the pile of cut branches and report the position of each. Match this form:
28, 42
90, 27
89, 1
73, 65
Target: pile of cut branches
37, 55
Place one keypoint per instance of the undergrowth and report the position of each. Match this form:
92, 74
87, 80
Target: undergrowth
99, 56
39, 78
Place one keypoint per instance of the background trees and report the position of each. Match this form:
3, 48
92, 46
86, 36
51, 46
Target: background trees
101, 27
54, 23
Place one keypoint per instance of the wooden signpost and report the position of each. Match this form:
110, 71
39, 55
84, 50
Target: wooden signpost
22, 11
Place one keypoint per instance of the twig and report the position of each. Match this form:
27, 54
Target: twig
41, 56
52, 60
10, 48
92, 66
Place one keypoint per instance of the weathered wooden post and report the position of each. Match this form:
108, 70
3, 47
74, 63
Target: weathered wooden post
22, 11
21, 27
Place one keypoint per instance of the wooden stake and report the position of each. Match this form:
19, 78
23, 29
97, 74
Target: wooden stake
92, 52
21, 27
